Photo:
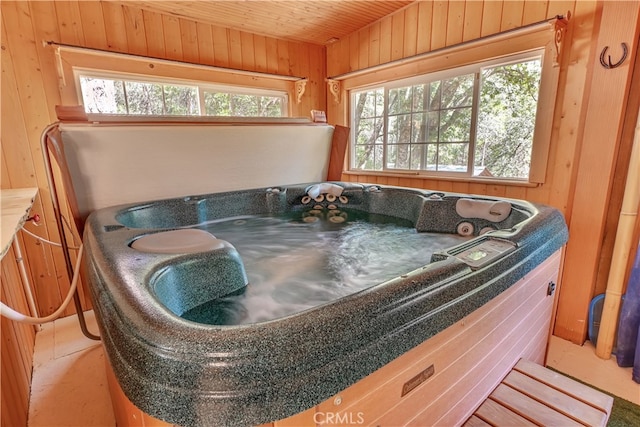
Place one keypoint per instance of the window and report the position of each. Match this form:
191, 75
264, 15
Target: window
106, 93
475, 120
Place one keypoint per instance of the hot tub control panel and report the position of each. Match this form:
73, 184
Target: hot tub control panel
485, 252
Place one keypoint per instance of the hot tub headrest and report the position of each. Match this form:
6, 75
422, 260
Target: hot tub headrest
491, 210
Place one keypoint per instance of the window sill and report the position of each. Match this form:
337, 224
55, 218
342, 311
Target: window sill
417, 175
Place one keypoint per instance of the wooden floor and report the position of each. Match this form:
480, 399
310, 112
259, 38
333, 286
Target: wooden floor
69, 381
532, 395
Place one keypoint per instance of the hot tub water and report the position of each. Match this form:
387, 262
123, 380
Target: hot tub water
294, 264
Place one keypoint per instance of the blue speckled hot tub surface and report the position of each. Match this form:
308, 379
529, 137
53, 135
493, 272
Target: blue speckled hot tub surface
191, 373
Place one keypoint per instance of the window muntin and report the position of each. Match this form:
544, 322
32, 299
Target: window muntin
447, 122
108, 93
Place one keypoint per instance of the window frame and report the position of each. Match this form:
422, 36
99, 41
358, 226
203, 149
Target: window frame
521, 41
201, 89
474, 69
70, 58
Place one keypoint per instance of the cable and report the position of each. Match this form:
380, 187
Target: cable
11, 314
42, 239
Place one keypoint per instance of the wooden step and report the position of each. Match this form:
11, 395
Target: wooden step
533, 395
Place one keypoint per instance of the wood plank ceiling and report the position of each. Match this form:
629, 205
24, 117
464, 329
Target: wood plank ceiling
317, 22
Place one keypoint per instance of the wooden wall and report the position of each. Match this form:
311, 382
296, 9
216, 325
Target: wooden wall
590, 110
30, 93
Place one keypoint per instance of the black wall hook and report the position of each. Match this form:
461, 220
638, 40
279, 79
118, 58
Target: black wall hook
608, 64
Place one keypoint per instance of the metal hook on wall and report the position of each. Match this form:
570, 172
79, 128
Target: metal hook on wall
609, 65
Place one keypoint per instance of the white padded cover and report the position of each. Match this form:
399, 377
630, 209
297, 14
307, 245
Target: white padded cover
116, 164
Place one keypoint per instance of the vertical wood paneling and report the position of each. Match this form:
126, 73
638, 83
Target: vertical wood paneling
374, 45
560, 7
364, 38
534, 11
205, 44
235, 49
271, 46
172, 37
16, 354
70, 22
410, 31
455, 22
220, 46
423, 43
283, 57
397, 36
93, 24
260, 53
23, 91
473, 20
354, 46
491, 17
189, 41
439, 24
154, 34
134, 29
511, 15
247, 47
385, 40
591, 196
117, 34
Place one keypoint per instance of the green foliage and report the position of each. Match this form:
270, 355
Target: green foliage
110, 96
506, 119
239, 105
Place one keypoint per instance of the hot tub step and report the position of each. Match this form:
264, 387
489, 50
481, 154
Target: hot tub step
533, 395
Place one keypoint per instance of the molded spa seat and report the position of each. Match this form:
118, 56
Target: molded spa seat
178, 241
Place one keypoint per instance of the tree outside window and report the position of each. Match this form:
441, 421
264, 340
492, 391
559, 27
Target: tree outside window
105, 95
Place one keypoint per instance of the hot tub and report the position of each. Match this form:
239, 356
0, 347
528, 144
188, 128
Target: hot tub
164, 274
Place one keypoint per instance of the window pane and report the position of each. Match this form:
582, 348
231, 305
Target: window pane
433, 124
367, 125
455, 125
457, 92
418, 156
216, 104
453, 157
432, 157
104, 96
369, 103
369, 131
181, 100
398, 156
242, 105
419, 132
418, 98
144, 98
399, 129
270, 106
368, 157
506, 119
434, 96
400, 100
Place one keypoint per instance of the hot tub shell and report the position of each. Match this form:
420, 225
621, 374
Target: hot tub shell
194, 374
